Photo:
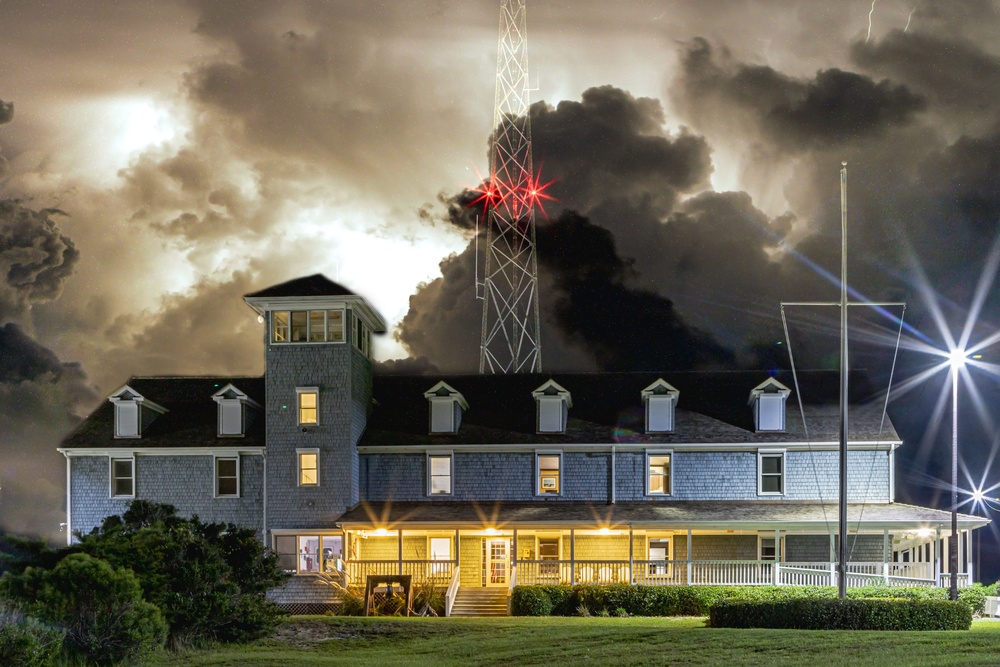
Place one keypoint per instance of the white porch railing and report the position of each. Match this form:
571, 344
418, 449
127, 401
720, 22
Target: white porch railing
435, 571
510, 585
452, 592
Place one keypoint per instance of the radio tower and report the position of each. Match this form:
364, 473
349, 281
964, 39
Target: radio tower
510, 334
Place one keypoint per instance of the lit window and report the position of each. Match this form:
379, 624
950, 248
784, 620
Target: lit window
548, 473
335, 326
659, 556
440, 549
279, 326
307, 326
658, 480
308, 405
440, 475
308, 467
771, 466
308, 553
227, 477
122, 478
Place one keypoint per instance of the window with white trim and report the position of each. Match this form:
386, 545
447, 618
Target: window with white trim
440, 550
308, 554
308, 467
771, 473
123, 478
658, 473
227, 477
439, 474
308, 405
660, 554
362, 336
767, 548
307, 326
549, 466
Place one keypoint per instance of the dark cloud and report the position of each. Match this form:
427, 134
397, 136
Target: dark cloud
35, 256
407, 366
24, 360
957, 76
833, 108
6, 112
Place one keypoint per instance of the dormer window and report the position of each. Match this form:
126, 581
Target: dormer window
553, 404
133, 412
445, 407
236, 411
768, 402
660, 399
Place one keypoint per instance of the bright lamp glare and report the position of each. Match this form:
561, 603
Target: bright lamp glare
957, 358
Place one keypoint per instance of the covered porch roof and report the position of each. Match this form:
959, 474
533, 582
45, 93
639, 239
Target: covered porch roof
678, 515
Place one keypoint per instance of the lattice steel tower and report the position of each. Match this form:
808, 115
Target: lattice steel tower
510, 334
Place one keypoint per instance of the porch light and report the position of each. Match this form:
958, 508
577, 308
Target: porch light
491, 531
925, 532
380, 532
604, 531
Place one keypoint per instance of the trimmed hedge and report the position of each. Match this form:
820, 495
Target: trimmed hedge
850, 614
697, 600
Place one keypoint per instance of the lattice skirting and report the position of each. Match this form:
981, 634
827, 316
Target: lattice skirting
310, 608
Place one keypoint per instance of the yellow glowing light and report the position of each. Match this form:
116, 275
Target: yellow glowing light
380, 532
604, 531
491, 531
925, 532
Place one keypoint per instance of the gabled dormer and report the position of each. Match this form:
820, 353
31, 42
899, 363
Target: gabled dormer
133, 412
768, 402
236, 411
553, 403
445, 406
660, 401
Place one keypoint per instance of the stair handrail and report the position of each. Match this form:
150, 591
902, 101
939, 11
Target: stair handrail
452, 592
510, 586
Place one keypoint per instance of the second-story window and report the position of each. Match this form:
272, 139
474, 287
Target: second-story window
308, 467
308, 408
123, 478
771, 473
658, 473
362, 336
439, 471
227, 477
549, 466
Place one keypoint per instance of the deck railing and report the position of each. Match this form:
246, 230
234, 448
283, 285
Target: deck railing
670, 572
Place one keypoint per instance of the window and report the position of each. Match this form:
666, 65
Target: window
307, 326
308, 467
227, 477
305, 554
362, 336
308, 405
439, 471
771, 466
658, 473
440, 550
548, 473
768, 550
123, 478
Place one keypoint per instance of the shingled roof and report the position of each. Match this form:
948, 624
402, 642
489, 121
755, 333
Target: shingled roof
314, 285
607, 408
191, 419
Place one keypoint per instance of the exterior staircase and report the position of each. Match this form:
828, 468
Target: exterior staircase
480, 602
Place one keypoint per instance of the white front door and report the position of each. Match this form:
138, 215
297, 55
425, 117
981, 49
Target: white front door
496, 552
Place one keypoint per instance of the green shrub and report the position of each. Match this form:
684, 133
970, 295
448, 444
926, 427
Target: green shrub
27, 642
428, 599
352, 602
100, 607
530, 601
697, 600
849, 614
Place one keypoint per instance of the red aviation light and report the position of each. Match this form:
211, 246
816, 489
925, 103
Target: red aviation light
517, 201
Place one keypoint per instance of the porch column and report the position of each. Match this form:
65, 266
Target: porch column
689, 557
775, 574
457, 547
572, 555
937, 556
968, 555
833, 560
631, 556
399, 534
513, 545
961, 550
885, 556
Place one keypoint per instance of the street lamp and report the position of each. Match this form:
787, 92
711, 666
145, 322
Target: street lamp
956, 359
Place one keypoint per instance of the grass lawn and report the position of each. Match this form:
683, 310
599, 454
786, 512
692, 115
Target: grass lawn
415, 642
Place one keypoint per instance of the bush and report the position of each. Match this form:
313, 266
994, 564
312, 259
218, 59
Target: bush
100, 607
530, 601
697, 600
209, 579
850, 614
27, 642
428, 599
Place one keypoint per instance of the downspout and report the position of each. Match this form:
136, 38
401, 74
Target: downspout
892, 473
614, 452
69, 502
263, 528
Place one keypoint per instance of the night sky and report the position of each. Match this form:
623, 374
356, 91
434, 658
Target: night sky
160, 159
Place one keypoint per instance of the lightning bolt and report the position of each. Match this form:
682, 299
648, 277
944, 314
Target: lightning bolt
909, 17
870, 21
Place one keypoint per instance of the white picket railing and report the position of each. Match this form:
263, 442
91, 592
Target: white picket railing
452, 592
